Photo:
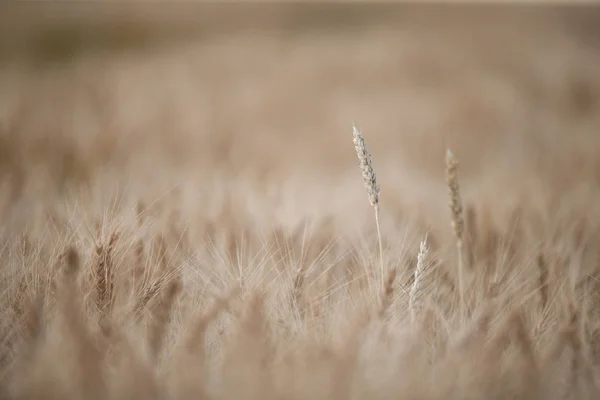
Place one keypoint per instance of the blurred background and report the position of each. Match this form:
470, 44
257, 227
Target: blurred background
267, 93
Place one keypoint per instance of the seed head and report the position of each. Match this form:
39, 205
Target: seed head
366, 167
458, 222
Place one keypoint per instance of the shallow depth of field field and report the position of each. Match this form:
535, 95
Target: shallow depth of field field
184, 216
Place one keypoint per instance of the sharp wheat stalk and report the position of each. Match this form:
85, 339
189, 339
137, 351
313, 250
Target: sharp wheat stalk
366, 167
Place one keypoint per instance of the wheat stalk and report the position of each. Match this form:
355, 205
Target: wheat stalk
457, 217
370, 179
104, 275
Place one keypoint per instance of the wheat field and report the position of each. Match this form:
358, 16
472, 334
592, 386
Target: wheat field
318, 202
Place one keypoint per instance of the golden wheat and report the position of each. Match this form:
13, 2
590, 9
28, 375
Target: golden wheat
370, 179
143, 258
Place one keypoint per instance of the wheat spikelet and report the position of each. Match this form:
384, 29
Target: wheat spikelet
456, 207
366, 166
416, 289
104, 275
457, 217
150, 284
150, 293
298, 286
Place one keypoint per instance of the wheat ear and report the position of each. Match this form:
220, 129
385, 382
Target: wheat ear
104, 275
458, 220
416, 289
370, 179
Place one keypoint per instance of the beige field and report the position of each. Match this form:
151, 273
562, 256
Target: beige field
184, 216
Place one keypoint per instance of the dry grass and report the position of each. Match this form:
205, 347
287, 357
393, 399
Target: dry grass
188, 222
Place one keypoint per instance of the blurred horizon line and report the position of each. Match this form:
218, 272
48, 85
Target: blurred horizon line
30, 29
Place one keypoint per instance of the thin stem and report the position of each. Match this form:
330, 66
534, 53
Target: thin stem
381, 273
461, 289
